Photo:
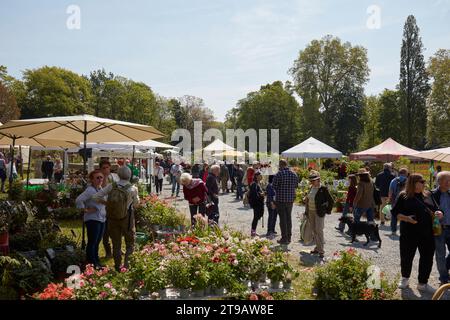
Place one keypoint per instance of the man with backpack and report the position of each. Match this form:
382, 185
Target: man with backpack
122, 198
397, 185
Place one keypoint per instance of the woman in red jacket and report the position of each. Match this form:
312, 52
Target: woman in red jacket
195, 192
351, 194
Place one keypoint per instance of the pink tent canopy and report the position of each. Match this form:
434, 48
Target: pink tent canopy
389, 150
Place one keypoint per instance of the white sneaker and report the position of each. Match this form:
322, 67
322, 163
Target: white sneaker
404, 283
426, 288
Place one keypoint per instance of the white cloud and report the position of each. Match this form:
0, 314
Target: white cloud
266, 31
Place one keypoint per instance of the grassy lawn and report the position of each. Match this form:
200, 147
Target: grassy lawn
68, 226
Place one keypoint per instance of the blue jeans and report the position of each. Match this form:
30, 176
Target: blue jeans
359, 212
175, 184
95, 231
272, 220
443, 261
239, 191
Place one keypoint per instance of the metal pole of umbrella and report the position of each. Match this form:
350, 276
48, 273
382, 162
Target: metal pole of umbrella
12, 165
21, 161
83, 241
132, 162
28, 171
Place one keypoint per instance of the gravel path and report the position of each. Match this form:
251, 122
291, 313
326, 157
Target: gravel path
235, 215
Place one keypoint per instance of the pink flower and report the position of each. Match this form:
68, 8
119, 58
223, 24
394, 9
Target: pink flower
253, 296
103, 295
123, 270
265, 250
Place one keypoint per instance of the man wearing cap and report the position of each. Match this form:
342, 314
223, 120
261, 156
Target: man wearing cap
285, 185
319, 202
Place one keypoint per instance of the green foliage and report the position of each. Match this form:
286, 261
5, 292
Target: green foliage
346, 278
402, 162
60, 93
370, 119
390, 117
16, 191
65, 258
438, 134
335, 94
414, 87
273, 106
29, 276
158, 212
34, 231
353, 166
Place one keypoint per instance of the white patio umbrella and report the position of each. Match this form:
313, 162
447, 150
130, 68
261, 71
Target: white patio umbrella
13, 140
442, 155
85, 128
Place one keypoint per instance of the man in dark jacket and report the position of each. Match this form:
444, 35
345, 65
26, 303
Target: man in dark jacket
239, 175
212, 184
382, 182
47, 168
232, 173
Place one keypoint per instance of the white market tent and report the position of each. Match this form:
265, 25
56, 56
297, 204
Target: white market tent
312, 149
218, 146
148, 144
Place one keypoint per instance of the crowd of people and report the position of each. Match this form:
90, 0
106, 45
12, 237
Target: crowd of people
424, 217
109, 200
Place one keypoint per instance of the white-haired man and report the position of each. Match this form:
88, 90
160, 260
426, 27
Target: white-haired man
441, 196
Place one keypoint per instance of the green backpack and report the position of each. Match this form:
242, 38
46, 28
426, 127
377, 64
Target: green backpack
116, 205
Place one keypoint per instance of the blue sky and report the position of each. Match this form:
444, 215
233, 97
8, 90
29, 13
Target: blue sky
218, 50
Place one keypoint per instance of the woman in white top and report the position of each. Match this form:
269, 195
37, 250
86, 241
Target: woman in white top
159, 177
58, 170
94, 216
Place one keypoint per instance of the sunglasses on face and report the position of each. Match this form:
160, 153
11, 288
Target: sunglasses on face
99, 177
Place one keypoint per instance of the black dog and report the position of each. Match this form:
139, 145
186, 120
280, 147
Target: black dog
362, 228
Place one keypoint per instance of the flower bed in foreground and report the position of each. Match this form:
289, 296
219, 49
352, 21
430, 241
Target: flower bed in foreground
203, 259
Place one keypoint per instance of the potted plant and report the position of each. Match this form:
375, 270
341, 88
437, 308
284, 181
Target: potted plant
200, 280
4, 230
179, 275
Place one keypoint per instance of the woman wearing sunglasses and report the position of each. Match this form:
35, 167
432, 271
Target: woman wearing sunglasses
416, 210
94, 217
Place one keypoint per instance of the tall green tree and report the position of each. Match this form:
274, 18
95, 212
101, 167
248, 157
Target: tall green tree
8, 105
414, 86
390, 119
311, 123
370, 123
438, 129
348, 124
98, 80
326, 68
9, 110
53, 91
272, 107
